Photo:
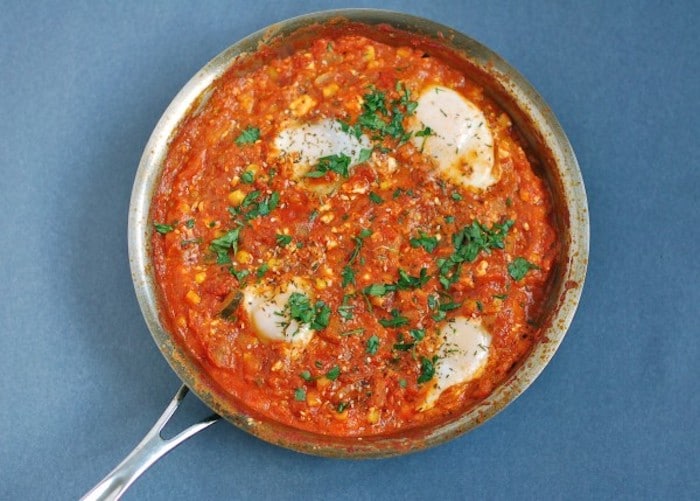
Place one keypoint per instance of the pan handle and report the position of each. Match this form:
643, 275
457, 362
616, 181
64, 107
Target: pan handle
150, 449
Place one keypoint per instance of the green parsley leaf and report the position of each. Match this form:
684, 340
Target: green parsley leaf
283, 240
240, 275
189, 223
345, 309
378, 290
365, 154
336, 163
299, 308
250, 198
223, 244
403, 346
375, 198
249, 135
352, 332
519, 267
500, 296
322, 316
408, 282
248, 177
163, 228
427, 242
341, 406
333, 373
396, 319
372, 345
348, 275
417, 334
468, 243
424, 132
262, 270
427, 369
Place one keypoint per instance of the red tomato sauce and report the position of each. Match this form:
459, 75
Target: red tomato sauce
356, 376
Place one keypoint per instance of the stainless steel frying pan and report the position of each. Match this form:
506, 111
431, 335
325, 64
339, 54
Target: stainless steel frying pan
538, 126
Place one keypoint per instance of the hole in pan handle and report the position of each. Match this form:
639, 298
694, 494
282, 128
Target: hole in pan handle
148, 451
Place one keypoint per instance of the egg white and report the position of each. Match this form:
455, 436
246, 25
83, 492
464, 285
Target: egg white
461, 142
312, 141
461, 357
265, 308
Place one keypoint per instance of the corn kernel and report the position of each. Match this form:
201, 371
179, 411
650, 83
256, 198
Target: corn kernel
330, 90
320, 284
181, 321
313, 398
385, 185
403, 52
193, 297
199, 277
244, 257
341, 416
369, 54
236, 197
322, 383
373, 415
301, 105
481, 268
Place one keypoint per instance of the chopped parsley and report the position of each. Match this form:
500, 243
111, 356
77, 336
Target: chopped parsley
424, 240
375, 198
424, 132
345, 309
248, 177
348, 275
262, 270
239, 274
339, 164
163, 228
417, 334
408, 282
341, 406
359, 242
305, 375
220, 246
519, 267
378, 289
427, 369
333, 373
456, 196
264, 206
396, 319
283, 240
249, 135
352, 332
365, 154
189, 223
299, 308
468, 243
353, 131
372, 345
300, 395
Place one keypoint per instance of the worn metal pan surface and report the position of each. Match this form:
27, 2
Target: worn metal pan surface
538, 126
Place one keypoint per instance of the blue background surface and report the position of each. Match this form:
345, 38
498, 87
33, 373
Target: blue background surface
615, 415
